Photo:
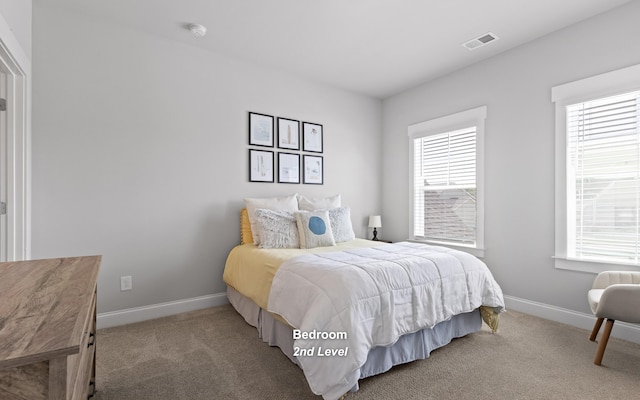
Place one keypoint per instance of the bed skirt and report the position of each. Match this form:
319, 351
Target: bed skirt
410, 347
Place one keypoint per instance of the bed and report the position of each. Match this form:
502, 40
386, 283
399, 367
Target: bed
355, 308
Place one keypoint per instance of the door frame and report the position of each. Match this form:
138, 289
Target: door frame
17, 153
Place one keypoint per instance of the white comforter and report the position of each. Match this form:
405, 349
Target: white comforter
373, 295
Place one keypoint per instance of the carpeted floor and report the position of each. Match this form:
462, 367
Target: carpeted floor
215, 354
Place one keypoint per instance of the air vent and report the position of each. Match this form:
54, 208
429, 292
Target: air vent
480, 41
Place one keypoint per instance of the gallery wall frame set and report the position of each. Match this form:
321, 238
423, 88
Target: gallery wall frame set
285, 133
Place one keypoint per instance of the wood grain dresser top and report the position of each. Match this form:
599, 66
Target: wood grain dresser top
44, 307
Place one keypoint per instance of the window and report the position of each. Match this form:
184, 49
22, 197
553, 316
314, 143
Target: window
446, 190
598, 172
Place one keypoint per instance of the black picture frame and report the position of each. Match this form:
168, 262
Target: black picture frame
261, 129
288, 167
261, 166
313, 170
312, 139
288, 134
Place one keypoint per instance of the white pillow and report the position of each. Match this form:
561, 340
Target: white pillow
288, 203
278, 229
318, 203
341, 226
314, 228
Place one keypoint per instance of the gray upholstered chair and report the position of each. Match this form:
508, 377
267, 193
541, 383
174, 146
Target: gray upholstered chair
614, 296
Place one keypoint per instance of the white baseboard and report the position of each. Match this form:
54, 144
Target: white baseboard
138, 314
620, 330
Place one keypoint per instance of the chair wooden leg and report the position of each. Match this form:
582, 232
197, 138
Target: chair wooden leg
603, 341
596, 329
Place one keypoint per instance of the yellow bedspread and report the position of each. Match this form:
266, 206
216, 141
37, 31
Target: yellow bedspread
250, 269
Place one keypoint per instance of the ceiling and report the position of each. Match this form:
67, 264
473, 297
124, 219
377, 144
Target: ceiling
374, 47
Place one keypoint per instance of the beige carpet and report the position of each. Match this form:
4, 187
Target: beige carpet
214, 354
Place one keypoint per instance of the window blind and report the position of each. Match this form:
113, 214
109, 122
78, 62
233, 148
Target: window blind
603, 179
445, 195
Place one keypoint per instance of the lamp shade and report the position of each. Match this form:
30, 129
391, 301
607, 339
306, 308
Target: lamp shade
375, 221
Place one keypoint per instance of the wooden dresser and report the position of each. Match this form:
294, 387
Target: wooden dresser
47, 328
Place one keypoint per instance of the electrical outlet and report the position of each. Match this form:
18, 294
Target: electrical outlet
125, 283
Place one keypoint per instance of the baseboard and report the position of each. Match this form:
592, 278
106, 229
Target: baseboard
621, 330
138, 314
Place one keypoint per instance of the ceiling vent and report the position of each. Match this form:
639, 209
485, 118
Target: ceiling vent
480, 41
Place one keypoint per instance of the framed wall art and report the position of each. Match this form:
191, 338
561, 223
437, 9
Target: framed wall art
312, 137
288, 134
260, 129
288, 168
261, 165
313, 170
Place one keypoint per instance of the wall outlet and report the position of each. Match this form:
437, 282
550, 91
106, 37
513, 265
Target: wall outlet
125, 283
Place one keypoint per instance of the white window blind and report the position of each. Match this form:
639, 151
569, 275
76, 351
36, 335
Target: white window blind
445, 191
603, 179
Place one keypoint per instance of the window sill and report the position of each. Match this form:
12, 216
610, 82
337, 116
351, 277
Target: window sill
478, 252
594, 267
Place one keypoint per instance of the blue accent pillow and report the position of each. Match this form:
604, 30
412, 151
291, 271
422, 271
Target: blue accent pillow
317, 225
314, 229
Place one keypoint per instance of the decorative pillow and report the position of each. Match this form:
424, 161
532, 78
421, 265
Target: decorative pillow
341, 227
289, 203
278, 229
245, 228
314, 228
318, 203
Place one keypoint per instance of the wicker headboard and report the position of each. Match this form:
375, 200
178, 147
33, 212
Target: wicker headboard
245, 227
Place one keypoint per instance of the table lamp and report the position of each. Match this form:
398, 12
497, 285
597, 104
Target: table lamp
375, 222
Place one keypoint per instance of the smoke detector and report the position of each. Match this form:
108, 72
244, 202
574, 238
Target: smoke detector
198, 30
480, 41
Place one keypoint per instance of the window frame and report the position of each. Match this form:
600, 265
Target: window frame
450, 123
612, 83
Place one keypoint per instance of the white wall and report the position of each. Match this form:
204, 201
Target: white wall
17, 15
140, 153
519, 174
